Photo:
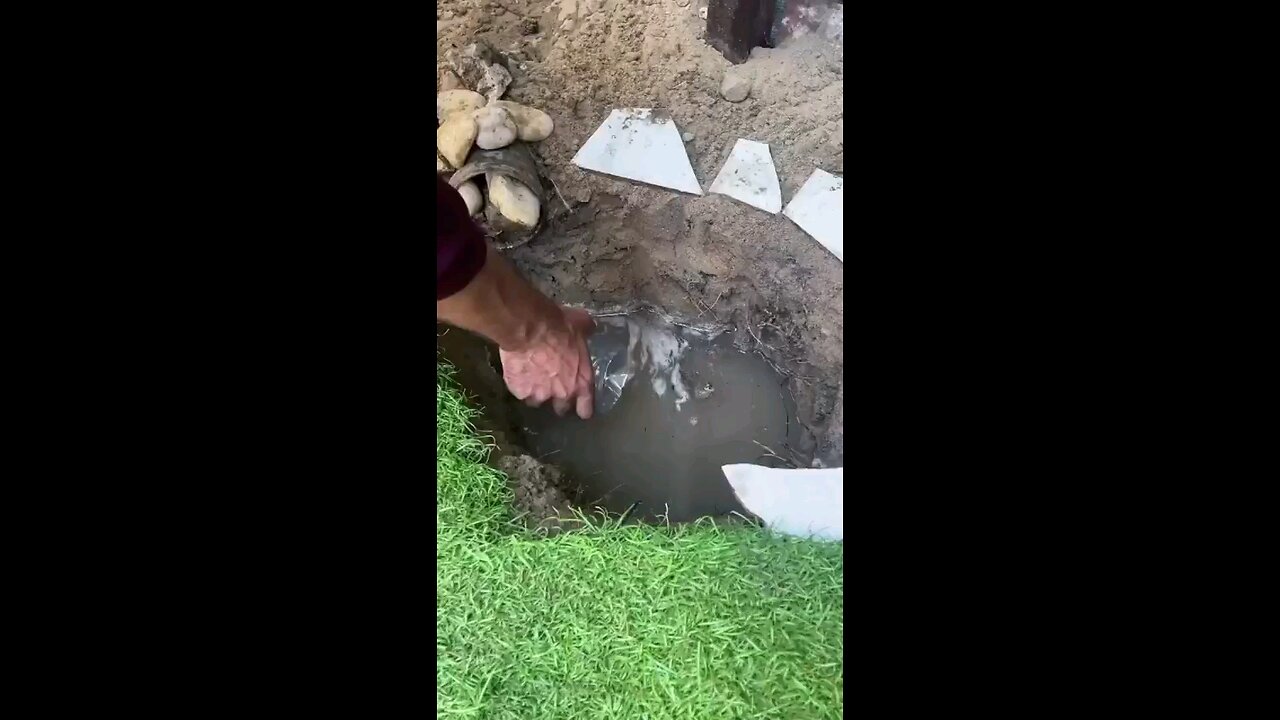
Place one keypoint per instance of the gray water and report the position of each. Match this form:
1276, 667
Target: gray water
663, 453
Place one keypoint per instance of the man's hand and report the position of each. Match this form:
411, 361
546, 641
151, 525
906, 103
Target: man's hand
543, 346
555, 366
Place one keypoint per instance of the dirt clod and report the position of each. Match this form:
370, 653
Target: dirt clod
537, 489
477, 65
736, 86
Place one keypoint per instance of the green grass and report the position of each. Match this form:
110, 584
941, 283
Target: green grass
618, 622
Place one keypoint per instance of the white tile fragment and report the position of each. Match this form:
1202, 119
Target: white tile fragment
803, 502
643, 145
819, 210
749, 176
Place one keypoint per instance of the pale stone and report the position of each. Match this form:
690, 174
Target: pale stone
471, 196
513, 200
495, 128
532, 124
454, 139
736, 87
458, 100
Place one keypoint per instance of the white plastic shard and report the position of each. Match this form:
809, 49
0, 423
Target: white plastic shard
819, 210
749, 176
640, 144
803, 503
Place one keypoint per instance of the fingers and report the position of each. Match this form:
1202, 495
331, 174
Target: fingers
582, 401
539, 396
586, 397
559, 370
585, 387
560, 405
517, 386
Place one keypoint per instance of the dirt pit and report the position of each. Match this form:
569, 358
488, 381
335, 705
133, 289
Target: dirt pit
768, 292
690, 403
702, 395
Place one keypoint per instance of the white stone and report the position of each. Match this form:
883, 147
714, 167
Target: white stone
749, 177
494, 128
640, 144
532, 124
819, 210
516, 202
471, 196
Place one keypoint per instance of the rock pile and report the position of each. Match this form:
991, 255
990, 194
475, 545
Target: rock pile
470, 114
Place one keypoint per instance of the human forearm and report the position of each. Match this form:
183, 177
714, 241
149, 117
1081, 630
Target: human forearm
503, 307
542, 346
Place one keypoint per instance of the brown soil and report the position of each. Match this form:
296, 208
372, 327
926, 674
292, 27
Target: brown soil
610, 244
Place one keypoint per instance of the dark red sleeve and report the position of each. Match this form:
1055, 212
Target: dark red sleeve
460, 246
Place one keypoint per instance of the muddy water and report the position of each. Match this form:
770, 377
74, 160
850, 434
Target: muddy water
674, 425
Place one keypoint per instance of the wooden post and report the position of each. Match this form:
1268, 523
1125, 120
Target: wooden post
736, 26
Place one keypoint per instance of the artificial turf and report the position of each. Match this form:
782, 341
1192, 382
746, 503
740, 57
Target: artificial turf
621, 621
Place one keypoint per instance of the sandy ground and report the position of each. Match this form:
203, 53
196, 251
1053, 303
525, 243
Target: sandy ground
612, 244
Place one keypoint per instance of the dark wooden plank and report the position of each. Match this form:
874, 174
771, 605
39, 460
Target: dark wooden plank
736, 26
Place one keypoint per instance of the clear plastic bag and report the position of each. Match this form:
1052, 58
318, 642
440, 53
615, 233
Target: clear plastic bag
612, 364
